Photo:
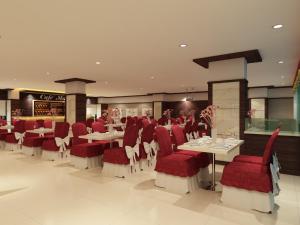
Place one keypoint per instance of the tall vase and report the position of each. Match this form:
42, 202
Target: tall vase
214, 134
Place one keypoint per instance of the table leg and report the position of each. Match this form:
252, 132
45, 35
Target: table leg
213, 185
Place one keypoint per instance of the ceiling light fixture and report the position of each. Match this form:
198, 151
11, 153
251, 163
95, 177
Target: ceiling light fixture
106, 82
98, 63
280, 62
152, 77
183, 45
277, 26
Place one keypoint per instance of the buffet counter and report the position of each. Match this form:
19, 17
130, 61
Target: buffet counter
286, 146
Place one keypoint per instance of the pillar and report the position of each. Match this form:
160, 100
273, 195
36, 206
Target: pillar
231, 98
75, 89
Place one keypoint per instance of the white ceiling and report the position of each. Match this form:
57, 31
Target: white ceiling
136, 39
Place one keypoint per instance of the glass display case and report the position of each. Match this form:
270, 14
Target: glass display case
288, 127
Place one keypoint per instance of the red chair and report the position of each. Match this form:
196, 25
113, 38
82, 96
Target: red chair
32, 142
56, 146
145, 122
89, 122
252, 179
130, 121
162, 121
98, 127
175, 172
263, 160
202, 157
48, 123
40, 123
14, 140
120, 161
84, 155
148, 147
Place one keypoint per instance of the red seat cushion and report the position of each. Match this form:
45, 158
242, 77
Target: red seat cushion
33, 141
49, 144
202, 157
178, 165
10, 138
115, 156
248, 159
247, 176
3, 136
87, 150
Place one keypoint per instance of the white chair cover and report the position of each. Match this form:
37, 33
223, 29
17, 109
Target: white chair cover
131, 151
19, 137
150, 148
62, 143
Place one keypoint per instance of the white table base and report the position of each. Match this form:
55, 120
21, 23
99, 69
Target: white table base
245, 199
86, 163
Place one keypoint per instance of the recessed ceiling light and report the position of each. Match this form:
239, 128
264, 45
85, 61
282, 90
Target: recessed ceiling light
106, 82
277, 26
282, 77
98, 62
15, 78
183, 45
48, 73
152, 77
280, 62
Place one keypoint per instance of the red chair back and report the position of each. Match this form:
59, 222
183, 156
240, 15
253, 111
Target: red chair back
78, 129
30, 124
139, 123
3, 122
164, 142
100, 120
188, 127
61, 129
19, 126
130, 121
98, 127
269, 147
89, 122
145, 122
178, 135
130, 136
48, 124
40, 123
147, 134
162, 121
123, 120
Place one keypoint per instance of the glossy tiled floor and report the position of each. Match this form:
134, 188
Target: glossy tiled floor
36, 192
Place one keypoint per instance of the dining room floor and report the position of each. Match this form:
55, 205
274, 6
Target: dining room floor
37, 192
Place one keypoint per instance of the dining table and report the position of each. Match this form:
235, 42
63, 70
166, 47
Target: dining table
107, 136
222, 146
41, 131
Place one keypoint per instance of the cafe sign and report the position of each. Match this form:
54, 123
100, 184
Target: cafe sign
50, 97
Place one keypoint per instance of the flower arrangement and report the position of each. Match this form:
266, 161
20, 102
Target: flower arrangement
209, 115
109, 115
251, 113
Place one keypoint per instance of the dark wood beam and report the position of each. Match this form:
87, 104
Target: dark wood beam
251, 56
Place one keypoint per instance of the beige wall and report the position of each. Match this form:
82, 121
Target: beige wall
281, 108
139, 107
